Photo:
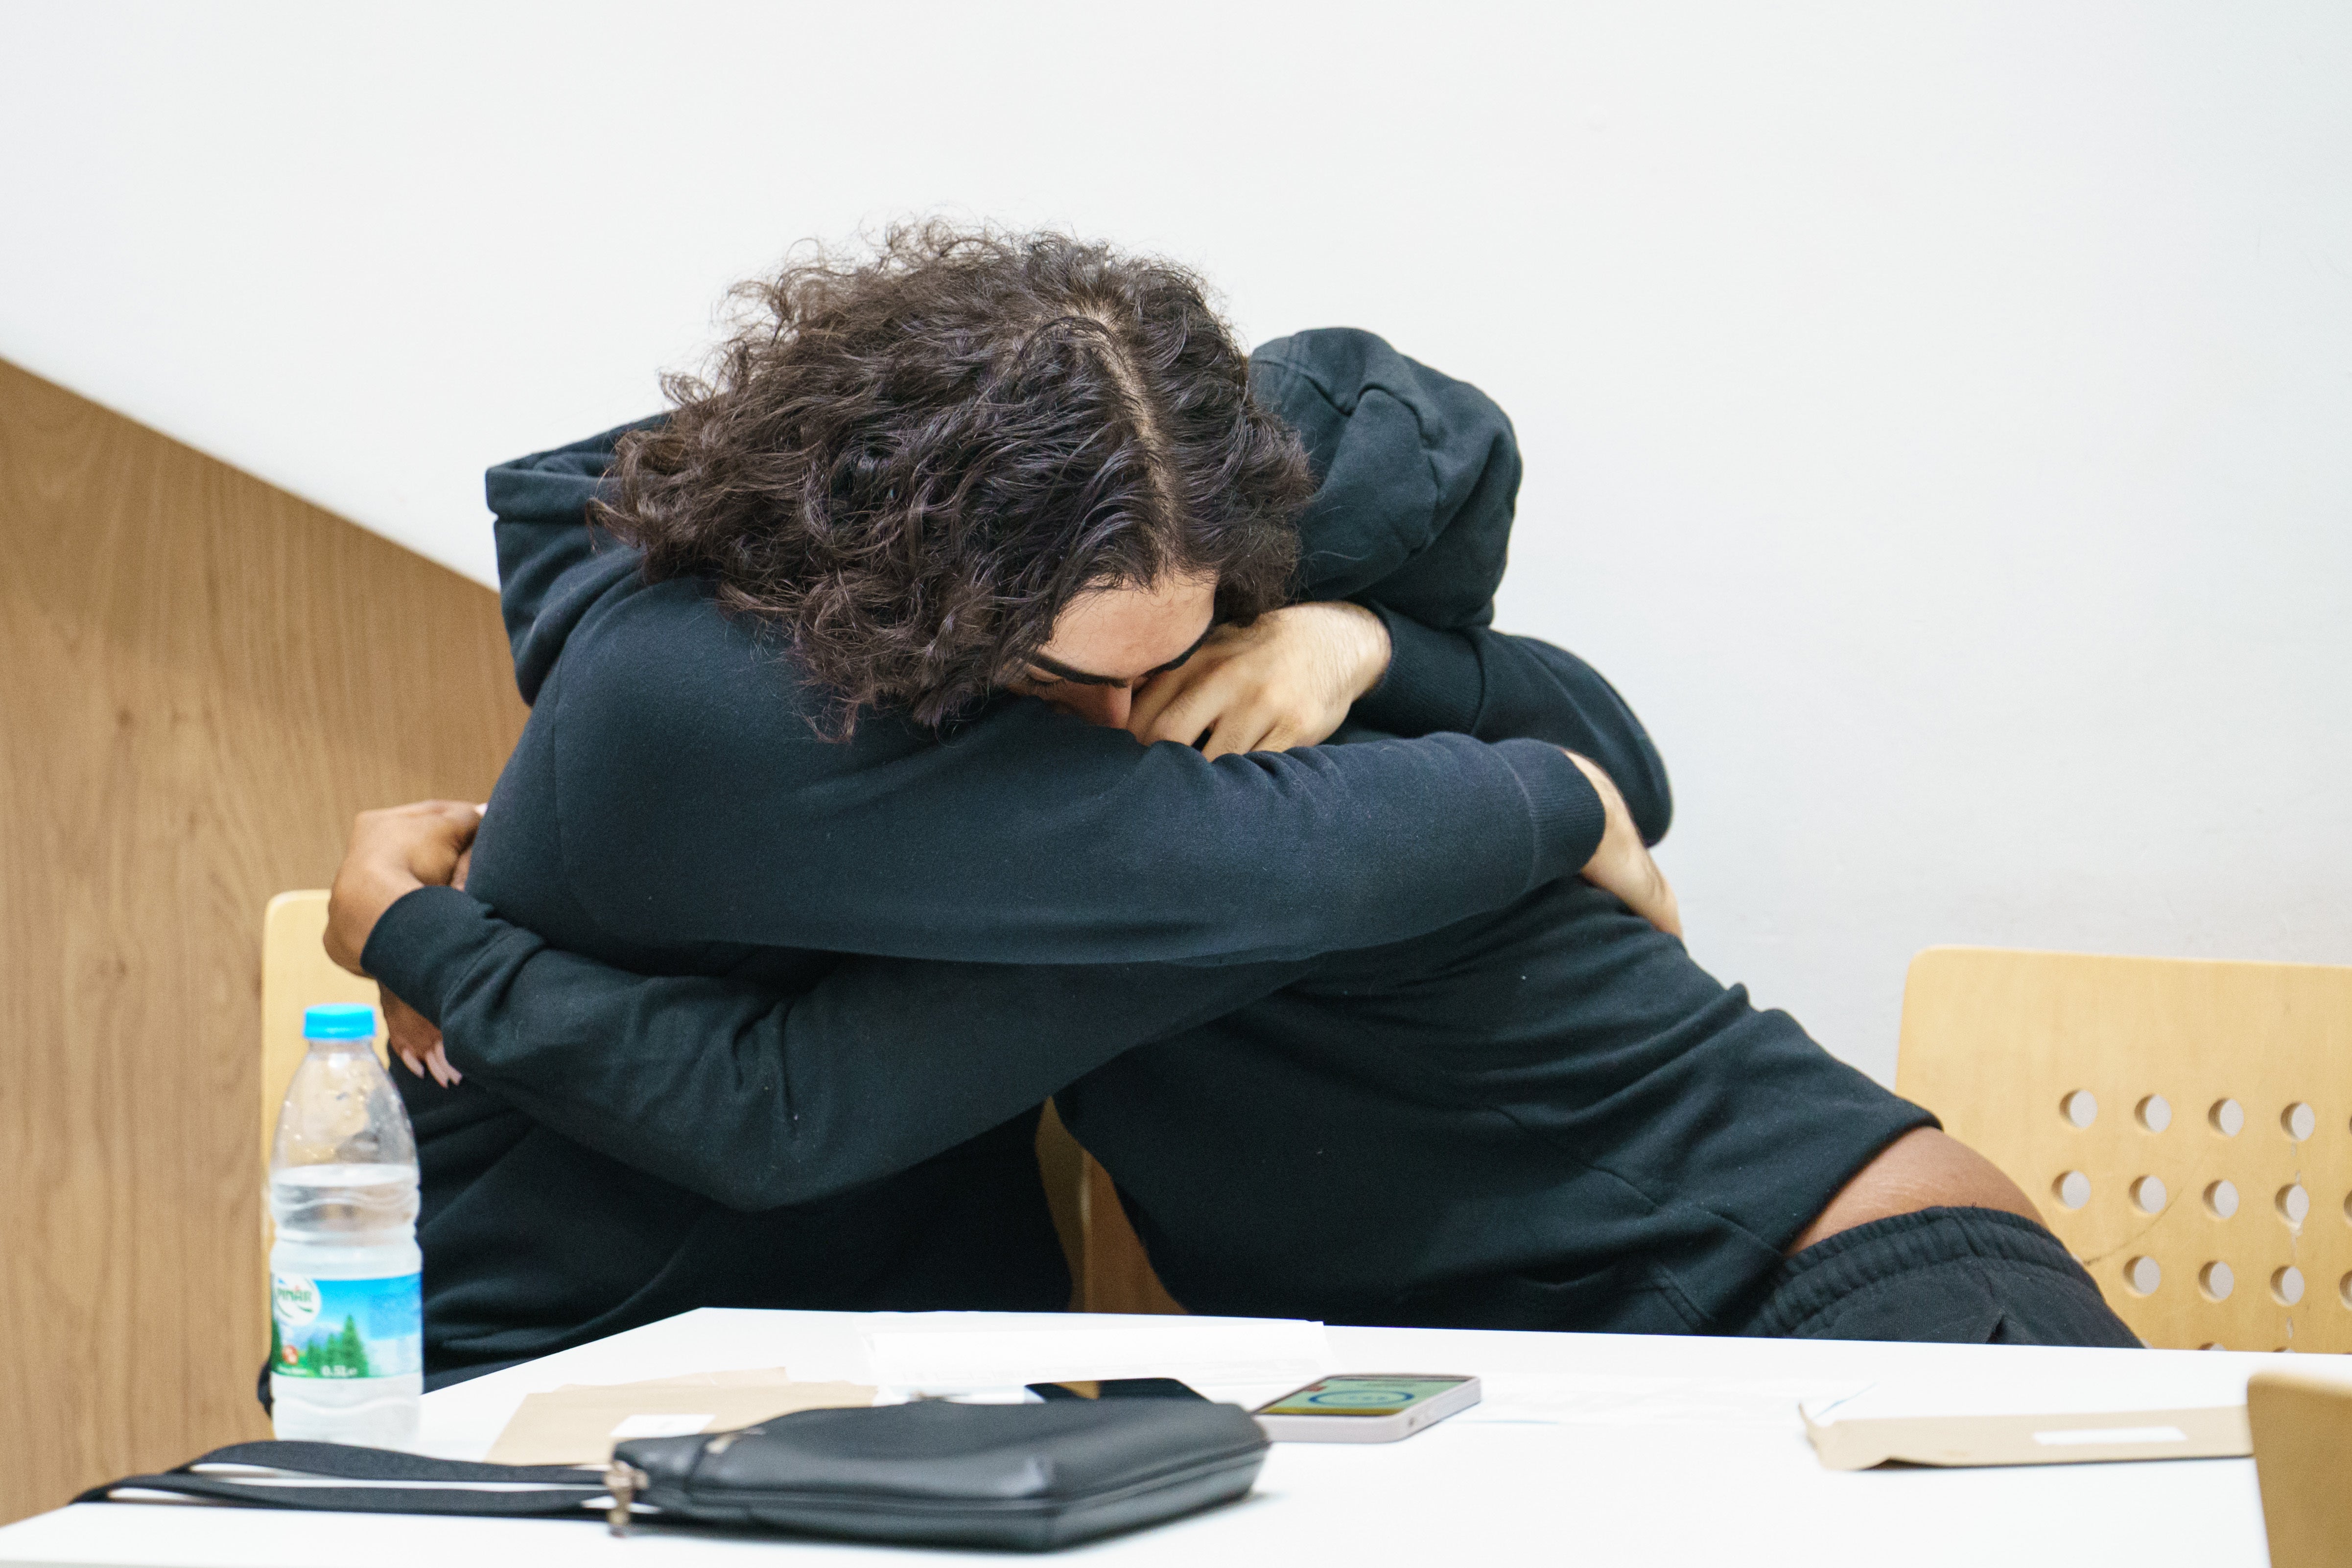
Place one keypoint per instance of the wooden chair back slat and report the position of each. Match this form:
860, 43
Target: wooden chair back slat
296, 973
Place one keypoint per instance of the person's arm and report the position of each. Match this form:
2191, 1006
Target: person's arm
1418, 476
1493, 685
758, 1098
1313, 672
696, 804
748, 1094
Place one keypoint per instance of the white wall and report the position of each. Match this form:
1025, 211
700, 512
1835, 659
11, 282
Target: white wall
1939, 419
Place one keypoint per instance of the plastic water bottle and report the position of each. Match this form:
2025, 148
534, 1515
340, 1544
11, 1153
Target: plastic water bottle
346, 1311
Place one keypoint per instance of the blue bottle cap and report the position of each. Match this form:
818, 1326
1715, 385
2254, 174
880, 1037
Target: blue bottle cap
338, 1020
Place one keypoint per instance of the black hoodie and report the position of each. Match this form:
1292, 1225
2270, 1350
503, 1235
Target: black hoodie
906, 940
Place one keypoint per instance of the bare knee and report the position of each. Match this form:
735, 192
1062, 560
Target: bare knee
1924, 1168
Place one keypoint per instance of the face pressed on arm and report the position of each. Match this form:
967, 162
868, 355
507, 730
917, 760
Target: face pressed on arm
1111, 640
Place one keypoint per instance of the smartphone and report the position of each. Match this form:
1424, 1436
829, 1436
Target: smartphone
1363, 1408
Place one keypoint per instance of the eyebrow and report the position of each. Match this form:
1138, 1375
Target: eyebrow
1061, 671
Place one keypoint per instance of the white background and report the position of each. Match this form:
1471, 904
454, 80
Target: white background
1939, 418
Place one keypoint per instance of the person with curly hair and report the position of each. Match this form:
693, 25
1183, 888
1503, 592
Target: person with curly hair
988, 683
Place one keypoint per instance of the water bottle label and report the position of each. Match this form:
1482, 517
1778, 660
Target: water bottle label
346, 1328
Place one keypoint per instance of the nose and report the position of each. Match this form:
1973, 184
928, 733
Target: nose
1105, 706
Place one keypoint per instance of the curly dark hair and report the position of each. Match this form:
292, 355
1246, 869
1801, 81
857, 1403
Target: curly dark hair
913, 461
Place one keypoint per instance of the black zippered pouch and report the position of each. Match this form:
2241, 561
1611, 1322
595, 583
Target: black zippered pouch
1026, 1476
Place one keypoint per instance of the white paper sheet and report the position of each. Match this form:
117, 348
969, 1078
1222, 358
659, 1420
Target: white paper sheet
1199, 1350
1609, 1399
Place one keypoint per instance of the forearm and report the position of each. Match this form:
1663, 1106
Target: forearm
756, 1098
1028, 836
1493, 686
1420, 478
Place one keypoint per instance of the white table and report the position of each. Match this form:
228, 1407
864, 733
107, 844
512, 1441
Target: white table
1590, 1449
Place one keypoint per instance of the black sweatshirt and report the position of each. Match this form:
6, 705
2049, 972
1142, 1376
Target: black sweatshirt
906, 940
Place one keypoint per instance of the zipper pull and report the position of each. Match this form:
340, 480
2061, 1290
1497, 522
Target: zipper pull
625, 1481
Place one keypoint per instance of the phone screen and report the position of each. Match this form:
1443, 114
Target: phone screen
1359, 1396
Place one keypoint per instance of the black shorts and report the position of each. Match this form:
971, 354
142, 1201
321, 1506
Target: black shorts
1544, 1118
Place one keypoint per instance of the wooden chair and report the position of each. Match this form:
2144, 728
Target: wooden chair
2185, 1127
296, 973
1110, 1271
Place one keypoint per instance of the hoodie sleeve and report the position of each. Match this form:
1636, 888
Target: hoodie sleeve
1492, 686
692, 801
756, 1096
1418, 478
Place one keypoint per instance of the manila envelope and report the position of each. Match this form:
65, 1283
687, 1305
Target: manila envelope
579, 1424
2075, 1437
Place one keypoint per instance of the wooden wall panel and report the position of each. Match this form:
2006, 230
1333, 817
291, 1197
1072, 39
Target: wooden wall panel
201, 680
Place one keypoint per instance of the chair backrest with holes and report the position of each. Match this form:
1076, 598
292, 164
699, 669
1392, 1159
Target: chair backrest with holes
2185, 1126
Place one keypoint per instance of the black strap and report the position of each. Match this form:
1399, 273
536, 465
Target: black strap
402, 1483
